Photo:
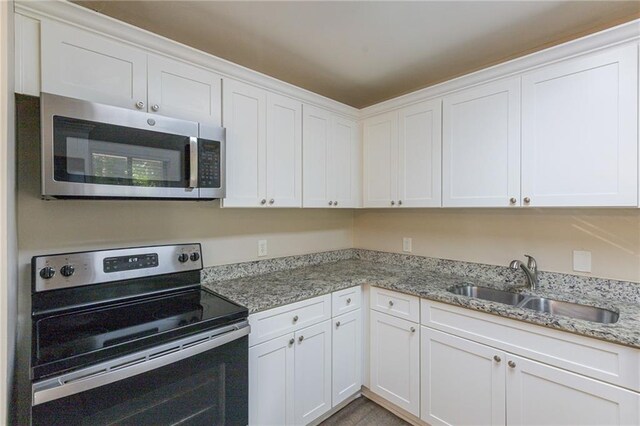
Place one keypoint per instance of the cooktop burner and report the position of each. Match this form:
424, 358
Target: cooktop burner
64, 337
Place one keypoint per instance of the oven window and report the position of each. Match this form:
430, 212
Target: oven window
210, 388
90, 152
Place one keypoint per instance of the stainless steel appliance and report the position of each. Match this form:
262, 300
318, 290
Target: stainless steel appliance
100, 151
130, 336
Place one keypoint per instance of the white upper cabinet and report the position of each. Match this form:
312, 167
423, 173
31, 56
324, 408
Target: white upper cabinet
331, 159
83, 65
244, 112
579, 131
420, 155
79, 64
481, 146
380, 147
284, 151
264, 147
402, 157
180, 90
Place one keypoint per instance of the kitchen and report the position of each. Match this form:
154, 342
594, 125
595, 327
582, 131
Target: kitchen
398, 199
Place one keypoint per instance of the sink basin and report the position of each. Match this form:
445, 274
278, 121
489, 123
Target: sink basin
573, 310
539, 304
487, 293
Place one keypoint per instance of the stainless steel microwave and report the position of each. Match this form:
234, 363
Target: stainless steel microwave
91, 150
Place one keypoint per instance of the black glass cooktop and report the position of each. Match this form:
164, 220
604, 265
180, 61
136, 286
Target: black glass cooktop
63, 340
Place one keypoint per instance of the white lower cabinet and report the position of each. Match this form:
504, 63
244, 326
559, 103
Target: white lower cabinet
468, 383
395, 360
302, 362
312, 372
347, 355
538, 394
462, 381
271, 372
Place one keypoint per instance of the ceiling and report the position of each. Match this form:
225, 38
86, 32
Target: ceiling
361, 53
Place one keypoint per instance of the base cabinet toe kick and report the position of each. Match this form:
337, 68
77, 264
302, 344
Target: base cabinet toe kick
460, 366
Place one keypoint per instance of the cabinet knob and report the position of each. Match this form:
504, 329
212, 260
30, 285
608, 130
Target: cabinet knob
390, 302
330, 203
271, 201
413, 329
348, 301
300, 339
399, 202
393, 203
295, 319
338, 324
263, 201
527, 200
139, 104
335, 203
512, 364
291, 342
155, 107
512, 200
496, 358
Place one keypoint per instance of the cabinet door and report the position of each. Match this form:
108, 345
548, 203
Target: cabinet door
394, 361
347, 355
456, 371
244, 112
284, 151
312, 372
271, 382
344, 163
538, 394
83, 65
481, 146
180, 90
579, 131
317, 131
420, 155
380, 146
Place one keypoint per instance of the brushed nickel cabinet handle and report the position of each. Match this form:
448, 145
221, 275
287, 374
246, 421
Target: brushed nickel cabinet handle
291, 342
527, 200
512, 364
300, 339
139, 104
295, 319
338, 324
496, 358
512, 200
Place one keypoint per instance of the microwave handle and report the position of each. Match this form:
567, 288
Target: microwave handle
193, 162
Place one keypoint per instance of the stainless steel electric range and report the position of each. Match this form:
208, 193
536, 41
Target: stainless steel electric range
130, 336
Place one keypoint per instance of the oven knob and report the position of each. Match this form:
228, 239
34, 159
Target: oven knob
195, 257
183, 257
47, 272
67, 270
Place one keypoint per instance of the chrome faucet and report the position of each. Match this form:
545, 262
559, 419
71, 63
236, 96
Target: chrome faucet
530, 269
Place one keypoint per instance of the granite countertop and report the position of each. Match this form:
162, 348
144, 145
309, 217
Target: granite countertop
266, 291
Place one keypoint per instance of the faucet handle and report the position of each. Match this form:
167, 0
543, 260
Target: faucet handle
531, 263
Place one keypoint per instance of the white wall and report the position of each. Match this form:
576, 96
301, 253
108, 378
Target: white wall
496, 236
7, 209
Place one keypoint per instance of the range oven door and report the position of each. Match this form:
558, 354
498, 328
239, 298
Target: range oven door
199, 380
93, 150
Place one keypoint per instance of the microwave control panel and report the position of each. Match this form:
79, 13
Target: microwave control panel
208, 164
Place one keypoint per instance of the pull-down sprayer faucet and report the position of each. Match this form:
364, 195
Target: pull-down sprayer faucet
530, 270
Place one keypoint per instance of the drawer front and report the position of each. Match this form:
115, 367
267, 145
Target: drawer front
616, 364
399, 305
346, 300
285, 319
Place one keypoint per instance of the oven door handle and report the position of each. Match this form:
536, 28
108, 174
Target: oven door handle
134, 364
193, 162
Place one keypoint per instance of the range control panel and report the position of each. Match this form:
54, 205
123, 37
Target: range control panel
65, 270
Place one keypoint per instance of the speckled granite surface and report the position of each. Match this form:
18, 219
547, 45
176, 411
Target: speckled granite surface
430, 279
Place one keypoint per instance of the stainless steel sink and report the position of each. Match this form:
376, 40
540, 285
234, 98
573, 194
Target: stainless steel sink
539, 304
573, 310
486, 293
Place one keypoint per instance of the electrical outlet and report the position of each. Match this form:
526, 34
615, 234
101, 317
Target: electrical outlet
581, 261
262, 248
406, 245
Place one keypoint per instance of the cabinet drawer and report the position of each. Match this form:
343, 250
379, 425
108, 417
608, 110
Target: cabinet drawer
616, 364
285, 319
397, 304
346, 300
